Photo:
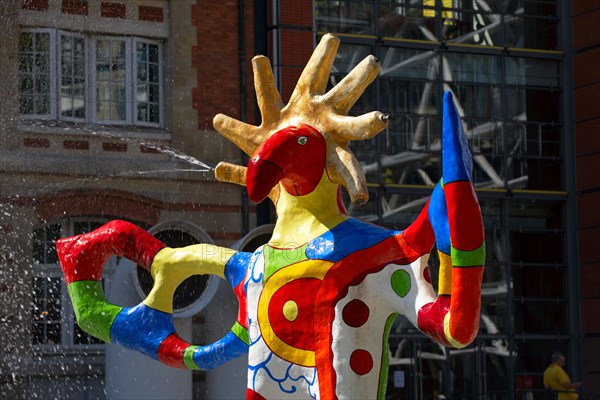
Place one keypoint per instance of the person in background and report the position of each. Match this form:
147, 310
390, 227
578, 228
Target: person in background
556, 378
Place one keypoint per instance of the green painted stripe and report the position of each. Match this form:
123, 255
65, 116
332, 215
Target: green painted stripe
93, 313
385, 361
472, 258
188, 357
241, 332
275, 259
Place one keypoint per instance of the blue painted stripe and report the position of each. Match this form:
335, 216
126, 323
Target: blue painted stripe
141, 328
220, 352
341, 241
235, 269
438, 217
457, 162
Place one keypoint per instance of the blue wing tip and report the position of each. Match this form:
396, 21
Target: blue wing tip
457, 161
449, 106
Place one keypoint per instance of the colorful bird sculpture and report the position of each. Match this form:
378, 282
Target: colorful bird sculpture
316, 303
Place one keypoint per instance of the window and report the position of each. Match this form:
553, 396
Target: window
92, 79
531, 24
53, 320
72, 77
111, 79
148, 82
35, 74
429, 8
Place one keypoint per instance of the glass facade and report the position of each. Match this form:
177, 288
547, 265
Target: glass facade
503, 61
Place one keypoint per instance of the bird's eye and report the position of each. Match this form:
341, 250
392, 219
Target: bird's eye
302, 140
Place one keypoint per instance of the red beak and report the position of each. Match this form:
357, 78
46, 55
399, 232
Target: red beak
261, 177
294, 155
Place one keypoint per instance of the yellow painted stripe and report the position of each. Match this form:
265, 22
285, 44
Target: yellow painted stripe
445, 275
455, 343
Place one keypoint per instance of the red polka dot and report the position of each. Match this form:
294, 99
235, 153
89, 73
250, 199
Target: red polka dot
355, 313
427, 275
361, 362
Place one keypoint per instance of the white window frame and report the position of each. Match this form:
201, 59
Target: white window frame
90, 78
86, 97
160, 82
128, 81
52, 72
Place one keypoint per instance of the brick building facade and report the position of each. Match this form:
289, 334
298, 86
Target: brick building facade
103, 151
